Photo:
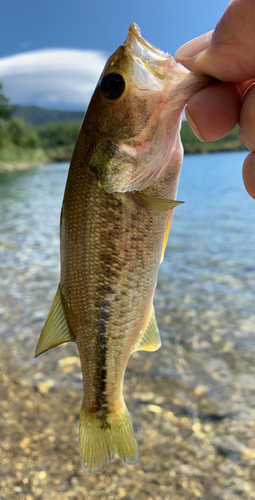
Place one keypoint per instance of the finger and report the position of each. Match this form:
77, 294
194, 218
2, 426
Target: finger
249, 174
246, 133
193, 47
244, 86
230, 55
214, 111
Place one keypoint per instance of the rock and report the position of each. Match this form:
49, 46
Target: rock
24, 443
201, 390
154, 408
46, 386
67, 364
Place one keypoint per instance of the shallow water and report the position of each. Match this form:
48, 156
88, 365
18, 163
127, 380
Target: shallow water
205, 296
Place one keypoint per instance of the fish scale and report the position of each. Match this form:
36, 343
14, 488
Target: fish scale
131, 281
115, 219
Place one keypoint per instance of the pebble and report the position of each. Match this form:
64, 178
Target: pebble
17, 489
201, 390
71, 360
154, 408
24, 443
46, 386
42, 474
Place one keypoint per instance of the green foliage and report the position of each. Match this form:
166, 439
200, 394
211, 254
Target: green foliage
17, 156
58, 140
15, 132
19, 143
22, 134
58, 134
192, 144
55, 137
5, 109
5, 139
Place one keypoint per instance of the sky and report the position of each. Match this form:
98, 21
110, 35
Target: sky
53, 51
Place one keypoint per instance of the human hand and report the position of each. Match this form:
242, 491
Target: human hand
227, 54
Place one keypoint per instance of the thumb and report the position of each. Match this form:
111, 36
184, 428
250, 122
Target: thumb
227, 53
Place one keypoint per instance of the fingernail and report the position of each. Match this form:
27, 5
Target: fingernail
194, 47
193, 125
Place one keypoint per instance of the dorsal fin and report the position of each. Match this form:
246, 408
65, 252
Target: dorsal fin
56, 330
150, 340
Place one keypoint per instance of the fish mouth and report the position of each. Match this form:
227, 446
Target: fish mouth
162, 67
140, 48
154, 65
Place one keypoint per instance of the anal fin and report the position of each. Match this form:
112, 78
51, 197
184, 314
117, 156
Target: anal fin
56, 330
150, 340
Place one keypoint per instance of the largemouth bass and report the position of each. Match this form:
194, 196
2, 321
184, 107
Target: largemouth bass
115, 219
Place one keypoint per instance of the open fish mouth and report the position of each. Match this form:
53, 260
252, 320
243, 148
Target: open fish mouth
161, 65
139, 47
152, 66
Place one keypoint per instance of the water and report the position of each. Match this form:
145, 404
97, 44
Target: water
206, 288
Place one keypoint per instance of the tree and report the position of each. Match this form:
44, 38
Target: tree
5, 109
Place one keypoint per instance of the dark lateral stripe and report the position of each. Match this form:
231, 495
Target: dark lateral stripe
101, 372
108, 251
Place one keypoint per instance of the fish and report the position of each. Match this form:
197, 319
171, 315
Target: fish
116, 215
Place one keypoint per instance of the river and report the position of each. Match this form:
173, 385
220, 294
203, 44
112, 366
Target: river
206, 287
205, 298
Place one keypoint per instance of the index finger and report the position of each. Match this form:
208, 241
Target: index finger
230, 54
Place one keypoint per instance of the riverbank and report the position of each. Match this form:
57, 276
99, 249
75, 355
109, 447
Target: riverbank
57, 142
18, 158
13, 167
191, 401
183, 456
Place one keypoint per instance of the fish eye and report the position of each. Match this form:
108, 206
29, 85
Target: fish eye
112, 86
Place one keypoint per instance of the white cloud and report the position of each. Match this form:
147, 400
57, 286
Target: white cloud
55, 78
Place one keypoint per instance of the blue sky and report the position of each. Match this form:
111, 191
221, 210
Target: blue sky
85, 33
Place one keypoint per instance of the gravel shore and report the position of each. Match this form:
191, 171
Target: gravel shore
187, 451
16, 166
191, 402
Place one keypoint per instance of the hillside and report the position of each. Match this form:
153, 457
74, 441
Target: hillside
19, 143
41, 116
58, 129
58, 140
30, 134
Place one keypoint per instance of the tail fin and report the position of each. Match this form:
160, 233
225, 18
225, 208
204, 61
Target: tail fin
100, 438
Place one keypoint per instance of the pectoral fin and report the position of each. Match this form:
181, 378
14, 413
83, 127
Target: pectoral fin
150, 340
156, 204
56, 330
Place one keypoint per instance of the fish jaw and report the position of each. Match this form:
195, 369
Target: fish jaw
161, 70
135, 134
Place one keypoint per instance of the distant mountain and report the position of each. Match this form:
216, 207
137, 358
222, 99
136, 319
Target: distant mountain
40, 116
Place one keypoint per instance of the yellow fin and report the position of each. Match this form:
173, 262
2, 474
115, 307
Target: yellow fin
101, 437
150, 341
168, 227
56, 330
156, 204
